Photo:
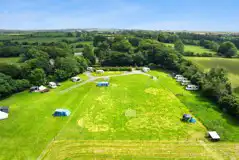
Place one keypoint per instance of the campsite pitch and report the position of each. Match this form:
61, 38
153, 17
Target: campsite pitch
136, 117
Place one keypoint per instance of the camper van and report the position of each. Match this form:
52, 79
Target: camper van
177, 76
75, 79
191, 87
145, 69
180, 79
100, 71
185, 82
52, 85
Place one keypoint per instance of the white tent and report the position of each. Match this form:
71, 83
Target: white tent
75, 79
3, 115
42, 88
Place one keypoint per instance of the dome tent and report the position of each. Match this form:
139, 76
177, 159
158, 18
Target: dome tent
61, 113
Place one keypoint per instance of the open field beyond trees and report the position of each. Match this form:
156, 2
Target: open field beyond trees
194, 49
231, 65
9, 60
136, 117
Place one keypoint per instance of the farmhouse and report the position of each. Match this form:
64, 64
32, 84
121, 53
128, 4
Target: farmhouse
52, 84
100, 71
61, 113
75, 79
145, 69
102, 84
192, 87
213, 136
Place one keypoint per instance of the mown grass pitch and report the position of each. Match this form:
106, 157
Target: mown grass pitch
230, 64
9, 60
194, 49
98, 127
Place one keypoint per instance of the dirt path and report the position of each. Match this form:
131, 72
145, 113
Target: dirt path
215, 155
93, 78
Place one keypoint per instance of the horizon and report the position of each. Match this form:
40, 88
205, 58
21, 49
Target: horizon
196, 16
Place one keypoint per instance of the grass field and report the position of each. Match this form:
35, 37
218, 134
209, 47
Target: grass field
102, 125
195, 49
46, 39
231, 65
9, 60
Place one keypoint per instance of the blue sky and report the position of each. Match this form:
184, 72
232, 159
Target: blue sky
206, 15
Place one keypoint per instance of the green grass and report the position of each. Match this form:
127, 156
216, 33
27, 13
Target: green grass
46, 39
231, 65
9, 60
195, 49
98, 127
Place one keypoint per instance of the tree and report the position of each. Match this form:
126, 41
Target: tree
37, 77
118, 59
134, 41
179, 46
227, 49
69, 65
12, 70
88, 53
121, 46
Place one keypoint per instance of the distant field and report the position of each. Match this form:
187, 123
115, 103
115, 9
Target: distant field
231, 65
195, 49
9, 60
46, 39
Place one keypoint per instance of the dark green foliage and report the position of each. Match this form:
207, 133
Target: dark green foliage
37, 77
11, 51
179, 46
88, 53
121, 46
118, 59
12, 70
227, 49
9, 86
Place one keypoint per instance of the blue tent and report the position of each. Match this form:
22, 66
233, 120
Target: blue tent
61, 112
192, 120
102, 84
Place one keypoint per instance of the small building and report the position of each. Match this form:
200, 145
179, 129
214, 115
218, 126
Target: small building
4, 109
90, 69
192, 87
61, 113
102, 84
100, 71
185, 82
177, 76
52, 84
75, 79
213, 136
145, 69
